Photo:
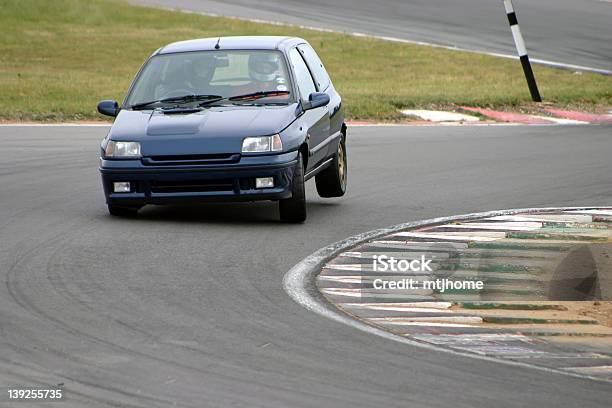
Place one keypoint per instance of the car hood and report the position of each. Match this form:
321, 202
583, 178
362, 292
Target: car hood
210, 131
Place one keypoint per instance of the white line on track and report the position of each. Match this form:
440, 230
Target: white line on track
606, 370
554, 64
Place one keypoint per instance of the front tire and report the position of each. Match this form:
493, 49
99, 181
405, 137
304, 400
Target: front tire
331, 182
119, 211
294, 209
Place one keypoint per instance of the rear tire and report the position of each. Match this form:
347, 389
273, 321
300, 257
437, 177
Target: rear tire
119, 211
294, 209
331, 182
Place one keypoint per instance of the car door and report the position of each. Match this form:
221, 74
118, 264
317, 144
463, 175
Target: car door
316, 121
324, 84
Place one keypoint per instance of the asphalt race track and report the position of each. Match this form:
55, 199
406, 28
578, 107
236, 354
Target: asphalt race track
184, 306
569, 31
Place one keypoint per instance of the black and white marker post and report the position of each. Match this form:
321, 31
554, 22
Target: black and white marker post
522, 51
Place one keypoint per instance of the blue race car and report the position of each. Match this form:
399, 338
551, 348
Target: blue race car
226, 119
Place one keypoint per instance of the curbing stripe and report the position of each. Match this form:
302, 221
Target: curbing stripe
531, 320
544, 218
428, 324
591, 212
463, 236
511, 117
440, 116
430, 319
299, 284
508, 306
422, 305
506, 226
562, 121
580, 116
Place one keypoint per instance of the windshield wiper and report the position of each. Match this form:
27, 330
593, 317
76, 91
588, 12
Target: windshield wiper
178, 99
247, 97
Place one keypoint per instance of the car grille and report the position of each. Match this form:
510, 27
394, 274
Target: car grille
191, 186
190, 159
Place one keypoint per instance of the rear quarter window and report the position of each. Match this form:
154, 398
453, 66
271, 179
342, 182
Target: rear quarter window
321, 76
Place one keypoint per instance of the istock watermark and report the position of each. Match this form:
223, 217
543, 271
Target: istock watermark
384, 263
416, 274
438, 285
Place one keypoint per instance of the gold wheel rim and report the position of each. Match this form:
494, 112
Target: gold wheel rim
342, 163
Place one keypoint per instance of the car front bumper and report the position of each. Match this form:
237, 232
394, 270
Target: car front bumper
198, 183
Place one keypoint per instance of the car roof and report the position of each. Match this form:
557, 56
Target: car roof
233, 43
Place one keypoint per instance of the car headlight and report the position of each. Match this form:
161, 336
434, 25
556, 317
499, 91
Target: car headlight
262, 144
122, 149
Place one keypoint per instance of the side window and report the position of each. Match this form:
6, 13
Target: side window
316, 66
302, 74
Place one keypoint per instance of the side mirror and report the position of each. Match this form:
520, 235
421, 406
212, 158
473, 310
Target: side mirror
316, 100
109, 108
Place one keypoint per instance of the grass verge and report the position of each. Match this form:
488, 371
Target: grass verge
59, 58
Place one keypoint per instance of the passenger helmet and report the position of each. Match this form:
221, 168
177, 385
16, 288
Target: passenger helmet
263, 67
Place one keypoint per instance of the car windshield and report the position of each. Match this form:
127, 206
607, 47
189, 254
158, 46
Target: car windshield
221, 73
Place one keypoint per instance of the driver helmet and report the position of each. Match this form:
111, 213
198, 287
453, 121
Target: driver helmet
263, 67
175, 76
